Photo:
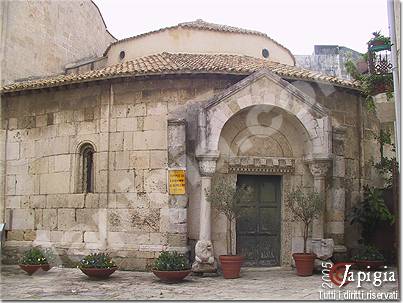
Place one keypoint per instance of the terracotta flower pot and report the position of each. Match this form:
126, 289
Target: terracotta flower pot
99, 273
378, 42
304, 263
373, 264
380, 88
30, 269
231, 266
171, 276
46, 267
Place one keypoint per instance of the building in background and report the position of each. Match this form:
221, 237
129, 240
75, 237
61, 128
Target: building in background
39, 38
329, 60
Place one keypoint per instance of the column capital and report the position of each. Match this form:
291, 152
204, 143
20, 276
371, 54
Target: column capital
207, 163
319, 167
339, 133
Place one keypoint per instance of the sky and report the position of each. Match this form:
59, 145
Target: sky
297, 24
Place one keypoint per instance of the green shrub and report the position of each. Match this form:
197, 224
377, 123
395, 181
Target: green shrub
49, 255
369, 213
33, 256
171, 261
369, 253
97, 260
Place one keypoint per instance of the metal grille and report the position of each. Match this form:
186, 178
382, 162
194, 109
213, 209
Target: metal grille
379, 63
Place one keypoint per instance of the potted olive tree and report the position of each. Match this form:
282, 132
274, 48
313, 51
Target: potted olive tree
305, 207
224, 197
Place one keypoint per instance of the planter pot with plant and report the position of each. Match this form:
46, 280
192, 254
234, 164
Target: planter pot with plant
379, 42
50, 257
305, 207
32, 260
97, 265
171, 267
376, 78
369, 258
225, 198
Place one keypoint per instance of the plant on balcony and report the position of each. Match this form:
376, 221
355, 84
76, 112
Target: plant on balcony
376, 81
171, 267
371, 84
305, 207
97, 265
378, 39
225, 198
374, 84
32, 260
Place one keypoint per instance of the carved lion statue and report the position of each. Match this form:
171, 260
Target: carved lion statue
323, 248
204, 252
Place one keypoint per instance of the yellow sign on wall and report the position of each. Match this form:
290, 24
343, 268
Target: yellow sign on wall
177, 182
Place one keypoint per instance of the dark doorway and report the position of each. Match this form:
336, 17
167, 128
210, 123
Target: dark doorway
258, 229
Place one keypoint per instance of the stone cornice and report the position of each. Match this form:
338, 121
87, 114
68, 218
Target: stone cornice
276, 165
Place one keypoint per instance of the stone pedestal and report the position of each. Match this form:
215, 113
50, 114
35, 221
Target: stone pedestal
204, 260
323, 248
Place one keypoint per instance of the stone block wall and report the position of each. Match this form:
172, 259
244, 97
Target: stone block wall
354, 150
139, 129
130, 213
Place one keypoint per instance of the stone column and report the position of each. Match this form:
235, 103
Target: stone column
3, 138
177, 230
204, 260
337, 203
319, 168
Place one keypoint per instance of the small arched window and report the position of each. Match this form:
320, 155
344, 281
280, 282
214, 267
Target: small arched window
87, 168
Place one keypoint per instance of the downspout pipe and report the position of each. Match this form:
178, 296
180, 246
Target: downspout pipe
395, 73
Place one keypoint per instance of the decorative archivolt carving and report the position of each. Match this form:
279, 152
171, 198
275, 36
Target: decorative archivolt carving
245, 164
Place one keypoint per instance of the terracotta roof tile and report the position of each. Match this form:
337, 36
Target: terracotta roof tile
203, 25
167, 63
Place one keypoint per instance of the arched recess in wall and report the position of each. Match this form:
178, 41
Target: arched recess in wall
262, 131
85, 168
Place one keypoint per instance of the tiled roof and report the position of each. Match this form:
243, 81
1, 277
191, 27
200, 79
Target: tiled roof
167, 63
201, 24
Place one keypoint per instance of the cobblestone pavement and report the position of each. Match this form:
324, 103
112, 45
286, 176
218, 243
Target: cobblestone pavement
71, 284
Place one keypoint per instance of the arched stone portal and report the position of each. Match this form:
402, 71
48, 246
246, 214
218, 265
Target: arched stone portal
262, 110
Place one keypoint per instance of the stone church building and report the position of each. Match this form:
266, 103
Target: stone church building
92, 156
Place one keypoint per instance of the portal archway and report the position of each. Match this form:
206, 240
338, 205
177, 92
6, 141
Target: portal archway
274, 114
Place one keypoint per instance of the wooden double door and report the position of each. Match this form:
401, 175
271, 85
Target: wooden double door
258, 230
